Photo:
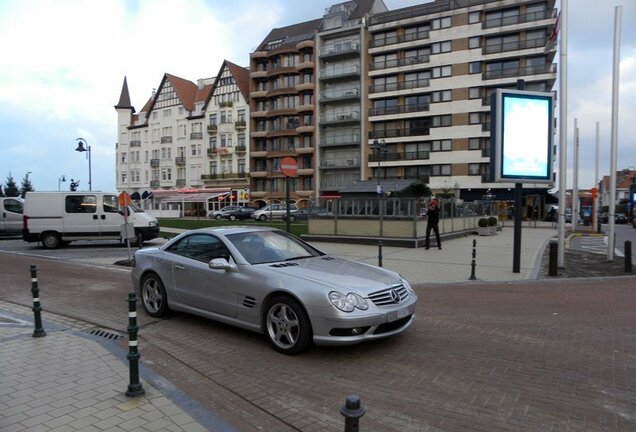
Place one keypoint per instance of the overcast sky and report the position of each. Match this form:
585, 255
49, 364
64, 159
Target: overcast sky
63, 64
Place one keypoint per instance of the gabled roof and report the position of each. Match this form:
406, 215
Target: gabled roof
241, 76
293, 33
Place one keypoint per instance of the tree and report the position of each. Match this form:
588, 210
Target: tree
1, 193
418, 189
10, 188
26, 186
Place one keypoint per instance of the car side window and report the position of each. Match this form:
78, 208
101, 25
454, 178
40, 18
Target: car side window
110, 204
14, 206
81, 204
200, 247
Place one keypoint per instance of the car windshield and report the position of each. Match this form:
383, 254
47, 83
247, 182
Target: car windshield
259, 247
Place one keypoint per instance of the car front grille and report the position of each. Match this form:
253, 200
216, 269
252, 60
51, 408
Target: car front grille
389, 296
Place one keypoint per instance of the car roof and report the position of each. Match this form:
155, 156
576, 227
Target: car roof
225, 230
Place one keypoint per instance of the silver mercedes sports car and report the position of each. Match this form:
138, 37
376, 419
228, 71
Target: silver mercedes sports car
269, 281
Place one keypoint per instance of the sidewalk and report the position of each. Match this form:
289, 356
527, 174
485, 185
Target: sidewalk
69, 381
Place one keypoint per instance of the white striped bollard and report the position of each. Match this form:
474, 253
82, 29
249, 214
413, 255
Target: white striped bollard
134, 388
38, 331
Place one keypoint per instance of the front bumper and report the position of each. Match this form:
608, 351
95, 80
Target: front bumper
356, 327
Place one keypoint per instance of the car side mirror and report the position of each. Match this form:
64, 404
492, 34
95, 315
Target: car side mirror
221, 264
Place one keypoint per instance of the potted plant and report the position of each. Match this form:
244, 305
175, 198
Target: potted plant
482, 227
492, 225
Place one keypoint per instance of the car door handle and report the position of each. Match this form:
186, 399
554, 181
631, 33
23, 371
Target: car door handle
179, 267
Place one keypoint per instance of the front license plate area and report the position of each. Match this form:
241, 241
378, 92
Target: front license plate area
399, 314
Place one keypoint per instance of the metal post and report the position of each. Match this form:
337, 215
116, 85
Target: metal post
379, 253
554, 257
37, 308
287, 197
628, 256
516, 254
473, 263
134, 388
352, 411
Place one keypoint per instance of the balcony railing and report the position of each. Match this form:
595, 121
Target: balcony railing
352, 93
517, 19
154, 183
337, 72
154, 163
514, 45
340, 117
397, 133
135, 143
166, 139
240, 124
516, 72
226, 104
227, 175
398, 109
212, 128
196, 135
405, 156
386, 64
180, 182
352, 162
401, 85
240, 149
398, 39
180, 160
340, 49
345, 139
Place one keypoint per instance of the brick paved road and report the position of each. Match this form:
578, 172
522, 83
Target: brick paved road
524, 356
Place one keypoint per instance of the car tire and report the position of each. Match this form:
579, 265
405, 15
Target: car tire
287, 325
232, 217
153, 296
292, 219
262, 218
218, 217
51, 240
138, 241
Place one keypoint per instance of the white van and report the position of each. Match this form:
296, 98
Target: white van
11, 216
57, 218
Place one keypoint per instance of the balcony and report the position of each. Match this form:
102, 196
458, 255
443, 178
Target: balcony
398, 133
305, 150
212, 129
517, 19
258, 74
399, 39
340, 50
154, 184
196, 135
180, 160
340, 140
405, 156
309, 43
166, 139
240, 124
398, 109
303, 129
258, 94
223, 176
519, 72
180, 182
337, 95
135, 143
258, 133
305, 86
154, 163
514, 46
335, 118
306, 171
401, 85
226, 104
334, 73
259, 54
305, 65
409, 61
258, 174
240, 149
352, 162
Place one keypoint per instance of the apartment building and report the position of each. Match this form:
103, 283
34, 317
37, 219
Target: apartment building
432, 69
188, 136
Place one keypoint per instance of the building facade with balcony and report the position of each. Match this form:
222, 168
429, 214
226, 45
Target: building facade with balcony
432, 69
167, 144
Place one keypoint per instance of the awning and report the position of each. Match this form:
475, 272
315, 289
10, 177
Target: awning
135, 196
193, 197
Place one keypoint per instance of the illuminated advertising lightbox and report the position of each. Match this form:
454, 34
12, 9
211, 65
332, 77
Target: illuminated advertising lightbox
523, 131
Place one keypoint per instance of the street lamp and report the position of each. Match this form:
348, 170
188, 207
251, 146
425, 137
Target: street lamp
59, 182
80, 148
378, 147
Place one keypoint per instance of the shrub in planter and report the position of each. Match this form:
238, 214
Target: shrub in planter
483, 229
492, 221
483, 222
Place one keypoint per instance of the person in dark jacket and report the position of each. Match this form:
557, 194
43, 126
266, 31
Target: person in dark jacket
432, 223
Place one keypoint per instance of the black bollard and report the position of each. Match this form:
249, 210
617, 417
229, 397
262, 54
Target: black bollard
628, 256
473, 263
38, 331
380, 253
352, 411
134, 388
554, 254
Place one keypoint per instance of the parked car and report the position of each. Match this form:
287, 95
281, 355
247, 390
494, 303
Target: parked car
273, 211
269, 281
232, 213
620, 218
568, 215
11, 210
603, 218
304, 214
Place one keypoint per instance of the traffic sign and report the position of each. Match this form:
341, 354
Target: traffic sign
124, 199
289, 166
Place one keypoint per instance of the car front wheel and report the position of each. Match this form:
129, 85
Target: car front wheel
287, 325
232, 217
153, 296
262, 217
218, 217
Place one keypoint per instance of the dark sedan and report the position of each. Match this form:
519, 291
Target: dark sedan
233, 213
304, 214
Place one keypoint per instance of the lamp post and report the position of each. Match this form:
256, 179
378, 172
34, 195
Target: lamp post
80, 148
59, 182
378, 147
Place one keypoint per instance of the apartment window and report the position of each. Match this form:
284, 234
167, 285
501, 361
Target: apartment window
441, 47
474, 67
181, 131
386, 83
124, 177
385, 38
441, 170
212, 142
442, 71
536, 11
385, 106
502, 18
229, 140
415, 103
442, 96
124, 157
146, 156
474, 118
417, 55
166, 174
535, 64
474, 169
414, 33
474, 92
224, 117
181, 110
474, 42
475, 143
442, 121
240, 115
441, 145
241, 139
385, 61
241, 166
167, 112
474, 17
212, 119
441, 23
154, 115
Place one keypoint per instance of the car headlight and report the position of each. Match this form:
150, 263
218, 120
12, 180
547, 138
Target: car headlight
407, 285
348, 302
153, 223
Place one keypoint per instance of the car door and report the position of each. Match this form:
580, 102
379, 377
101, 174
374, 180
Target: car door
11, 217
80, 215
195, 283
110, 219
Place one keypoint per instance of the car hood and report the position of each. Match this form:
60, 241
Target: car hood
337, 273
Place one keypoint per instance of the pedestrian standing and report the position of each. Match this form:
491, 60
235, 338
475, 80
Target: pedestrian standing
432, 223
